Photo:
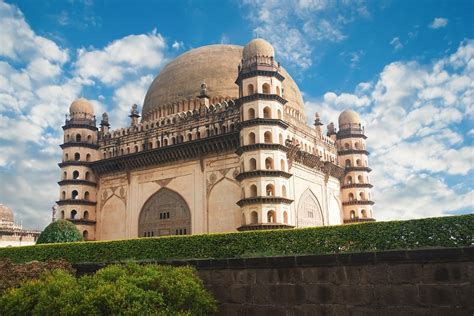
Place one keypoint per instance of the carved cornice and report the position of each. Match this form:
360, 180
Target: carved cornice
263, 121
73, 125
261, 96
262, 173
79, 144
77, 182
352, 152
75, 163
350, 135
358, 220
357, 185
354, 168
264, 226
257, 72
81, 221
187, 150
253, 147
359, 202
75, 202
264, 200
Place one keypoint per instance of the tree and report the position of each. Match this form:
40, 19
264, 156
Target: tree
60, 231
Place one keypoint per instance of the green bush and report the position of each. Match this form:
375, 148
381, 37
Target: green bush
452, 231
58, 232
114, 290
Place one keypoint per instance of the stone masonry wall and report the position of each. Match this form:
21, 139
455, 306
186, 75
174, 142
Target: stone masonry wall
415, 282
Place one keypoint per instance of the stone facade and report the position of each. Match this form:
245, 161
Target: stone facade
235, 154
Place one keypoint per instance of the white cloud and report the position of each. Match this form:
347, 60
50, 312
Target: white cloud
177, 45
127, 56
412, 113
438, 23
395, 42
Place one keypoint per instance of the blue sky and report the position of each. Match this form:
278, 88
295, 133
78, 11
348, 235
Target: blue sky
406, 66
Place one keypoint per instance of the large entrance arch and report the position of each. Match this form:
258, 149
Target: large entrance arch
309, 210
165, 213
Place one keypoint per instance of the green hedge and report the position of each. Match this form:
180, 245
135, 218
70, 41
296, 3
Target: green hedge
453, 231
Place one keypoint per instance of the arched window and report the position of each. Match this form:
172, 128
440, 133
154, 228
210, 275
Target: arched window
362, 195
266, 88
271, 217
150, 145
78, 137
198, 135
348, 163
358, 162
250, 89
190, 137
77, 156
67, 137
86, 196
269, 163
89, 138
279, 115
356, 145
278, 90
283, 191
285, 217
253, 190
85, 235
86, 215
136, 148
64, 175
360, 179
66, 157
267, 112
253, 218
165, 142
267, 137
353, 214
251, 113
253, 164
270, 190
346, 146
75, 174
282, 165
128, 150
364, 213
251, 138
74, 195
243, 219
88, 156
73, 214
351, 197
349, 180
62, 214
63, 196
173, 140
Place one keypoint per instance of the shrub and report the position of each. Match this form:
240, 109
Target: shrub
60, 231
12, 275
452, 231
114, 290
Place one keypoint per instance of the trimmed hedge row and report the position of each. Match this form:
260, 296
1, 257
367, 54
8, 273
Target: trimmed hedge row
452, 231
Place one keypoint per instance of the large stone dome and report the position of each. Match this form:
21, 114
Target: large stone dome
217, 66
6, 214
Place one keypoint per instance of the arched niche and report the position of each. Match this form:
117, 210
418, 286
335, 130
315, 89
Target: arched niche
223, 212
165, 213
309, 210
113, 219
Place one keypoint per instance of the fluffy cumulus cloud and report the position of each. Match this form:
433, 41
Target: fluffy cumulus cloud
130, 55
295, 27
38, 81
417, 119
438, 23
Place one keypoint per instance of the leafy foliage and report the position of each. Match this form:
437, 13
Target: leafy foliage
114, 290
453, 231
58, 232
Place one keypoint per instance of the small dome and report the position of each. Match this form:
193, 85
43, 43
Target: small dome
348, 117
81, 106
6, 214
258, 47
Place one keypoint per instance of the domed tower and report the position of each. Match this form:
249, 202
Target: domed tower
352, 154
264, 169
78, 186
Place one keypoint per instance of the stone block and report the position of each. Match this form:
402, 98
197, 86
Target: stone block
396, 295
322, 275
405, 273
465, 293
443, 295
356, 295
260, 294
451, 311
374, 274
283, 294
240, 293
405, 310
288, 275
352, 274
222, 277
245, 276
320, 294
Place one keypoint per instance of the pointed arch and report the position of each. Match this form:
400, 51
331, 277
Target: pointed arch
310, 213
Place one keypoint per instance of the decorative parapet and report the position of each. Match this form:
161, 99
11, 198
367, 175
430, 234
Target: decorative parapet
353, 152
357, 185
75, 202
262, 173
264, 200
359, 220
358, 202
354, 168
261, 96
76, 182
253, 147
263, 226
263, 121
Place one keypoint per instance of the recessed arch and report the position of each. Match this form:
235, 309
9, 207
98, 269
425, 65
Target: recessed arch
310, 212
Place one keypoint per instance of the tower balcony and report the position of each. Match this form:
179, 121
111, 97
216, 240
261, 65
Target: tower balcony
77, 182
79, 144
264, 200
354, 168
352, 152
359, 220
82, 221
357, 185
263, 226
259, 146
76, 202
262, 173
263, 121
261, 96
358, 202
